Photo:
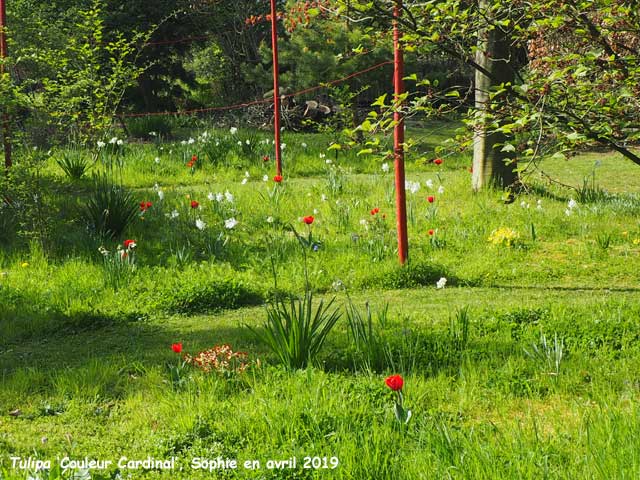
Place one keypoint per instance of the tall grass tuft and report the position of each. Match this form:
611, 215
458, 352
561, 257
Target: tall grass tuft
295, 331
548, 355
110, 208
372, 350
74, 163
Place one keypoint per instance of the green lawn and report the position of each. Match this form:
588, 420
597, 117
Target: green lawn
525, 365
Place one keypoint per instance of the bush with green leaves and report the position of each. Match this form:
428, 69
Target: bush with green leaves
109, 208
81, 83
27, 209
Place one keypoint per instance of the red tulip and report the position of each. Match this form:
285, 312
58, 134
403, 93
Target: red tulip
431, 199
177, 347
265, 158
277, 178
194, 204
144, 206
431, 231
375, 210
438, 161
194, 158
129, 244
394, 382
308, 220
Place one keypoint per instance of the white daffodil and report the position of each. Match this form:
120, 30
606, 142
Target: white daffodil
413, 187
441, 283
230, 223
200, 225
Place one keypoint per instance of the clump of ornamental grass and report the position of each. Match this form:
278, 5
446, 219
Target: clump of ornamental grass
74, 163
110, 208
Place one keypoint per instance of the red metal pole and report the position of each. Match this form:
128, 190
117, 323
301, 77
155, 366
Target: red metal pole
6, 132
276, 86
398, 140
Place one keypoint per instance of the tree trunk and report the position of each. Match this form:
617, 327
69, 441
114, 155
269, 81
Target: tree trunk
491, 166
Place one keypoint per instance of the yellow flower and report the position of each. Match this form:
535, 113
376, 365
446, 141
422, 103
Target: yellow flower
636, 241
24, 264
625, 234
504, 236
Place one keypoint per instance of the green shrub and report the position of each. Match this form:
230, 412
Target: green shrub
7, 222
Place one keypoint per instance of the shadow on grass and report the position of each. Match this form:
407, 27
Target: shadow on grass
565, 288
122, 343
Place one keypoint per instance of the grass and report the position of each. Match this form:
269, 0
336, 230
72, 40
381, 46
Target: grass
87, 371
